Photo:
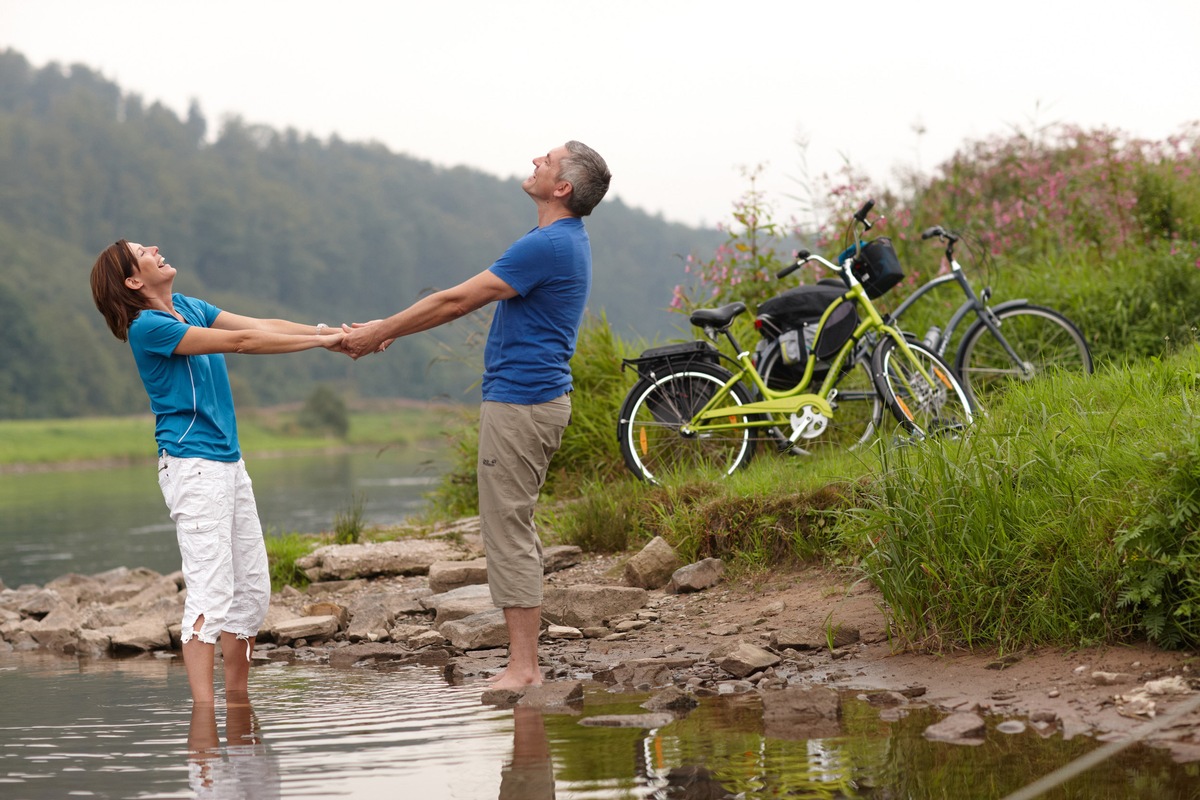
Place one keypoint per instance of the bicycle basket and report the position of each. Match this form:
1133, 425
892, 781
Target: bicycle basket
794, 308
876, 266
657, 359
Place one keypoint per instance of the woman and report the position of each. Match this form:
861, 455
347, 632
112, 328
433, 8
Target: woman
177, 342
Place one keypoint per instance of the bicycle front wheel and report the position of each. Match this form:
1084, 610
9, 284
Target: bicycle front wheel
1045, 340
857, 409
936, 405
655, 447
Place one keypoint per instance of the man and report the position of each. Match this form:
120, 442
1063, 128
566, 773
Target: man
541, 285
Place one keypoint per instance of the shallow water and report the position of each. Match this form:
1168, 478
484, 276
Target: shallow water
113, 728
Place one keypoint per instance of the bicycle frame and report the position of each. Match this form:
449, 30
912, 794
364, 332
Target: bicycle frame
973, 304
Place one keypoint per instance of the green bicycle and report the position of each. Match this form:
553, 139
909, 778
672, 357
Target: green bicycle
688, 412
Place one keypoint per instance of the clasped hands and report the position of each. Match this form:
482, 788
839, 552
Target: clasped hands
360, 339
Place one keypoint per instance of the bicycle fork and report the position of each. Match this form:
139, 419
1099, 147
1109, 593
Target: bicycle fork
920, 394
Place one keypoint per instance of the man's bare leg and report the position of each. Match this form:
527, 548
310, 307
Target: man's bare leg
198, 661
524, 625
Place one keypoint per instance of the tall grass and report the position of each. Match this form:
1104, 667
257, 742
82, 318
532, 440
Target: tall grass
348, 523
1008, 537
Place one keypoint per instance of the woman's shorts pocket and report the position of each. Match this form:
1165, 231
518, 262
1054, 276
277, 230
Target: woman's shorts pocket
197, 510
199, 543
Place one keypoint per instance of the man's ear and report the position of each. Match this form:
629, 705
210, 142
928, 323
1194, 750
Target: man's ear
563, 189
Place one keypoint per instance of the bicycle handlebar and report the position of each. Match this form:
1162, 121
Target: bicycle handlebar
861, 214
940, 232
949, 237
801, 257
804, 256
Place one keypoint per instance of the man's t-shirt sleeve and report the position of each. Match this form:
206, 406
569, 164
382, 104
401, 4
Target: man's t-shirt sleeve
522, 266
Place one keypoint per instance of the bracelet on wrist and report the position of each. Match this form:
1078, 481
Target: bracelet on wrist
321, 328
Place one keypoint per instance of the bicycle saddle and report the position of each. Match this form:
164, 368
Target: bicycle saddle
718, 318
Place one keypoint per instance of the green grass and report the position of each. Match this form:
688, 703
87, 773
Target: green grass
42, 442
282, 553
1008, 538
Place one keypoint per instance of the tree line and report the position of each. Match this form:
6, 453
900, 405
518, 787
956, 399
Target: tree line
263, 222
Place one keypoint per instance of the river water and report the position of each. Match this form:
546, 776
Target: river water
124, 728
91, 520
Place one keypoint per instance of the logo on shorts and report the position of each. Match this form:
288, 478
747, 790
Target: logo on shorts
489, 462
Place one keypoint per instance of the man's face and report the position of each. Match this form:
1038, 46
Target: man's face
541, 185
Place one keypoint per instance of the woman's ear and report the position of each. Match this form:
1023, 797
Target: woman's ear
133, 283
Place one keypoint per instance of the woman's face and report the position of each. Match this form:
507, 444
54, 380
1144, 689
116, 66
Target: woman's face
152, 268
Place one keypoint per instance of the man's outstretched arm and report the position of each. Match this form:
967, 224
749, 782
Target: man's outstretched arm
428, 312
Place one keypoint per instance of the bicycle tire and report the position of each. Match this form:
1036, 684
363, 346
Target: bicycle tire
936, 407
857, 408
1045, 340
654, 411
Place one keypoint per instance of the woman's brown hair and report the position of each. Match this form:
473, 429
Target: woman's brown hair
117, 302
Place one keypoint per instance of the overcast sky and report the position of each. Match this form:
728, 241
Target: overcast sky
679, 96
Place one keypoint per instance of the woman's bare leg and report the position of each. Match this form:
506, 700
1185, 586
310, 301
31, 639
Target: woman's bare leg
198, 660
235, 653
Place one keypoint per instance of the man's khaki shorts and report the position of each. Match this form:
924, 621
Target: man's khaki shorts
516, 443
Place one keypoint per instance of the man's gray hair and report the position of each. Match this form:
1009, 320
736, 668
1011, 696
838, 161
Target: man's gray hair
588, 175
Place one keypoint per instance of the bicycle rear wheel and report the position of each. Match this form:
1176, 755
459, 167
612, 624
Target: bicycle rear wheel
937, 406
649, 427
857, 409
1046, 341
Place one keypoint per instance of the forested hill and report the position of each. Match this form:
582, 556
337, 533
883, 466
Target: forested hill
267, 223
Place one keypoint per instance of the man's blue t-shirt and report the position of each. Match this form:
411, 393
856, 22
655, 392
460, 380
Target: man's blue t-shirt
189, 395
533, 335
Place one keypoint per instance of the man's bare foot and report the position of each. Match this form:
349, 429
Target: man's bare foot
508, 679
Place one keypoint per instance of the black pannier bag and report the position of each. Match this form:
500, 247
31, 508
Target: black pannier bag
795, 308
793, 314
876, 266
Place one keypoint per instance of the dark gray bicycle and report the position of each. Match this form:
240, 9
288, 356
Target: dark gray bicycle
1012, 341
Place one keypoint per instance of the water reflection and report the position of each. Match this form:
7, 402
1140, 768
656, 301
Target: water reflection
529, 775
246, 769
695, 782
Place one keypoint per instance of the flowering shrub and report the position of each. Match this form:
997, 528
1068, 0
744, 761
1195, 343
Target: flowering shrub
1068, 190
1044, 205
744, 264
